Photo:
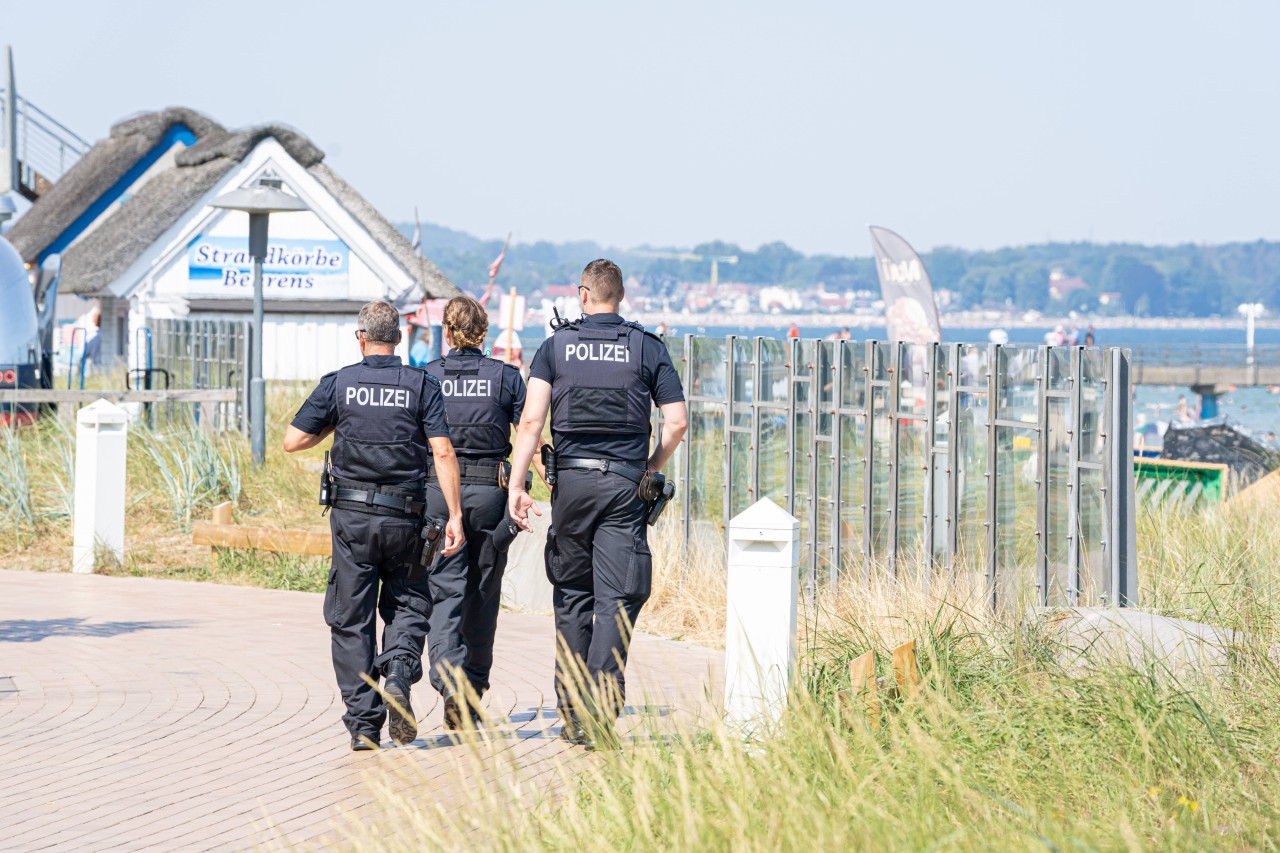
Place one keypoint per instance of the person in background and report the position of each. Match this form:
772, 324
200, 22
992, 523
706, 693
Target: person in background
419, 345
794, 331
1088, 337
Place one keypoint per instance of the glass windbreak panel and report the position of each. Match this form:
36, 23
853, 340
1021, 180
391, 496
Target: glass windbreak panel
943, 377
708, 368
1092, 394
1016, 385
1095, 575
913, 378
912, 460
774, 372
881, 459
851, 494
824, 388
743, 370
772, 456
675, 349
882, 360
742, 462
706, 462
1059, 368
853, 356
971, 451
804, 350
973, 368
1017, 585
804, 509
824, 571
1057, 527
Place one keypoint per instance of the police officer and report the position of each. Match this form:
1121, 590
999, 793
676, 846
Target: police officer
386, 420
598, 377
482, 398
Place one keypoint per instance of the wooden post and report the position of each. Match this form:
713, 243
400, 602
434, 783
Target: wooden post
511, 323
222, 513
862, 673
309, 542
905, 670
208, 416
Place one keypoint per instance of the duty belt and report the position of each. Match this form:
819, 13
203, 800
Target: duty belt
484, 473
631, 472
372, 496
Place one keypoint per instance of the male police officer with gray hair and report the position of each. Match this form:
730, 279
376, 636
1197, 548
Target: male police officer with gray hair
598, 376
387, 419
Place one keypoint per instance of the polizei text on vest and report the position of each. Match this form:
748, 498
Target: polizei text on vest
378, 396
597, 352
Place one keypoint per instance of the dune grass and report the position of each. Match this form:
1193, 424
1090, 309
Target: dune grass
1005, 748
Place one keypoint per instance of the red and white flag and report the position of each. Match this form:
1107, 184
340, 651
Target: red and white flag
497, 262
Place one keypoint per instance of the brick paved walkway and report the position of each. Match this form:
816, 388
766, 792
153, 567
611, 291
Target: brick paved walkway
146, 714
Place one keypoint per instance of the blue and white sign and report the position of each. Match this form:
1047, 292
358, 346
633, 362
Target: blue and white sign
294, 268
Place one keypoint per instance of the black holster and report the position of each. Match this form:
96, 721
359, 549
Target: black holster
433, 539
326, 484
504, 534
549, 464
656, 492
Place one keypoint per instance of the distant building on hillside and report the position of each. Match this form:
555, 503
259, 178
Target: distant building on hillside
132, 225
1062, 285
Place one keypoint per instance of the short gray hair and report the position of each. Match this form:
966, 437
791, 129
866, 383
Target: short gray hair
380, 323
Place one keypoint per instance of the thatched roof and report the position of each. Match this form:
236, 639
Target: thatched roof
102, 255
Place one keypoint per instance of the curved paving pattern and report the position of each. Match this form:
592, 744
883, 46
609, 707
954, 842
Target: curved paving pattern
141, 714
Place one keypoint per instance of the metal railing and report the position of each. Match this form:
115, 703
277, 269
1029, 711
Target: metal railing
1015, 463
46, 149
199, 354
1206, 355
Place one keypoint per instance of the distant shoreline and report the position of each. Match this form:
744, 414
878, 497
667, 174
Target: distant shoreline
959, 320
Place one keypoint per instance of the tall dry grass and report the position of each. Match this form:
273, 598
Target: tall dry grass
1008, 746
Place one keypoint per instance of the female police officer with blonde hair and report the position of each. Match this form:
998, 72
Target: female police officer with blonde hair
482, 398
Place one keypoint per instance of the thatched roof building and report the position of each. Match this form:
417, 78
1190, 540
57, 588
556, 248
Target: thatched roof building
133, 229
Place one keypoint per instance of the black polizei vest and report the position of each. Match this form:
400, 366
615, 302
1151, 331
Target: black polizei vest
379, 438
598, 384
479, 414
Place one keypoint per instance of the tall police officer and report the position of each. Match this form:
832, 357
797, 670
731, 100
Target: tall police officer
386, 419
482, 397
597, 376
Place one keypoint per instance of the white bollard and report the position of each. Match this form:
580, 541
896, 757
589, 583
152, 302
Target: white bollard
101, 437
760, 635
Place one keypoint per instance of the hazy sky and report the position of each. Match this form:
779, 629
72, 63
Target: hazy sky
976, 124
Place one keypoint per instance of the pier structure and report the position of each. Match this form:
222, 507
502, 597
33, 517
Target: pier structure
1209, 370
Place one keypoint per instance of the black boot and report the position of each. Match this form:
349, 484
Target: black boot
572, 730
365, 743
403, 725
452, 714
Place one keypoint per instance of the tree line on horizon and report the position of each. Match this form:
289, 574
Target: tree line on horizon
1178, 281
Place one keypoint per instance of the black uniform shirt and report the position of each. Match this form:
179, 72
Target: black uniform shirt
657, 372
321, 408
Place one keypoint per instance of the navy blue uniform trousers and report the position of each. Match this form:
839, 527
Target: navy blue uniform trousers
466, 589
373, 556
601, 571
